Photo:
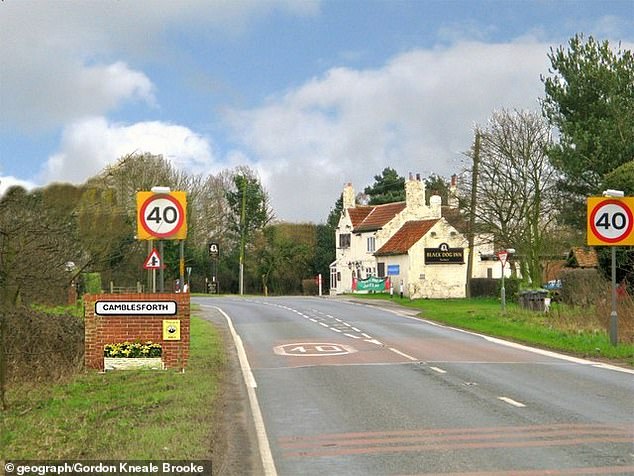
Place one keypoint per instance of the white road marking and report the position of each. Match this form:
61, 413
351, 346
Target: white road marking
263, 442
353, 336
373, 341
313, 349
514, 345
365, 335
323, 324
336, 330
355, 329
403, 354
439, 370
510, 401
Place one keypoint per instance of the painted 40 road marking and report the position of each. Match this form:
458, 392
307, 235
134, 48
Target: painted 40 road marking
314, 349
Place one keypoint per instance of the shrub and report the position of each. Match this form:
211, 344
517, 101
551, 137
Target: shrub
309, 287
581, 287
511, 287
92, 283
41, 346
484, 287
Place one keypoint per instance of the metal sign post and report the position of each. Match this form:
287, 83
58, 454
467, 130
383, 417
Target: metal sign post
610, 223
503, 256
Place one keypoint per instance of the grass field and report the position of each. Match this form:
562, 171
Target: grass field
563, 329
138, 415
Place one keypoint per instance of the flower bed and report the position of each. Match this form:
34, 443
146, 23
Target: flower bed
132, 355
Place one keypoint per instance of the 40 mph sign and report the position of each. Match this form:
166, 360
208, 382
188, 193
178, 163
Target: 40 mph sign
161, 216
610, 221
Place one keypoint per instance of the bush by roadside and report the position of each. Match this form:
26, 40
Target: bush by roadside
41, 346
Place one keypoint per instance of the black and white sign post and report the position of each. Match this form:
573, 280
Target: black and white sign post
214, 254
610, 223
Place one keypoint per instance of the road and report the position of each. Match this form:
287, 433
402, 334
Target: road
343, 388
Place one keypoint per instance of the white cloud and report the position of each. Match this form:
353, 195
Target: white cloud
40, 95
89, 145
57, 57
416, 114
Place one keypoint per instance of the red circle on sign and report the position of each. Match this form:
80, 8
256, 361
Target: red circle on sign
179, 222
621, 236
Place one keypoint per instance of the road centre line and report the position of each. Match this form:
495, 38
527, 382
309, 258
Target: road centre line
437, 369
510, 401
402, 354
373, 341
368, 338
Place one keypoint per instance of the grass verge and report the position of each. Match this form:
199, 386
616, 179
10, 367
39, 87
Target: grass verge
538, 329
138, 415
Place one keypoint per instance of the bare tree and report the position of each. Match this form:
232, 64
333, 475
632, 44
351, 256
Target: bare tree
515, 197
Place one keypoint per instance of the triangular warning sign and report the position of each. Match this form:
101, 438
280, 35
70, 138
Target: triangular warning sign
153, 261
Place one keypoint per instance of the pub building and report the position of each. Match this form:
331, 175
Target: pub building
417, 245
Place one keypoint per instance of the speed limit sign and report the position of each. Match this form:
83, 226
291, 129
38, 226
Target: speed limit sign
610, 221
161, 216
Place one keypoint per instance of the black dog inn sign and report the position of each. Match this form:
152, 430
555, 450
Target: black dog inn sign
444, 255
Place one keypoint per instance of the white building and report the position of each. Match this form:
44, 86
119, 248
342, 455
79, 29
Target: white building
421, 246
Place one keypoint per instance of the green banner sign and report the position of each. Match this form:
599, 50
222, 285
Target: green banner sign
372, 284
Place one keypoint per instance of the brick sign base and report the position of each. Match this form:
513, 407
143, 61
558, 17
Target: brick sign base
111, 329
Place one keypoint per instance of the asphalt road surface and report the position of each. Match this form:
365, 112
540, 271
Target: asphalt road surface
343, 388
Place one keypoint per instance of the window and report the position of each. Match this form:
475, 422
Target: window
371, 244
344, 240
381, 269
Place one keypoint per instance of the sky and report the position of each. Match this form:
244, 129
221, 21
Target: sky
310, 94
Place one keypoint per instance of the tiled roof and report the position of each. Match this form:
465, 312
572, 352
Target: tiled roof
406, 237
373, 217
583, 257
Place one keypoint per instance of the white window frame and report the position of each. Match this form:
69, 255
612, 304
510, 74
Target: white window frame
371, 244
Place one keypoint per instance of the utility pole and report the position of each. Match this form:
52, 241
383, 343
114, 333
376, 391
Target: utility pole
243, 233
474, 190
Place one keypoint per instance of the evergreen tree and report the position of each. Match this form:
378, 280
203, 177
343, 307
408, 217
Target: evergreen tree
388, 187
590, 100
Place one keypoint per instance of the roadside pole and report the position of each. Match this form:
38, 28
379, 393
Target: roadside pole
610, 222
161, 273
614, 338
